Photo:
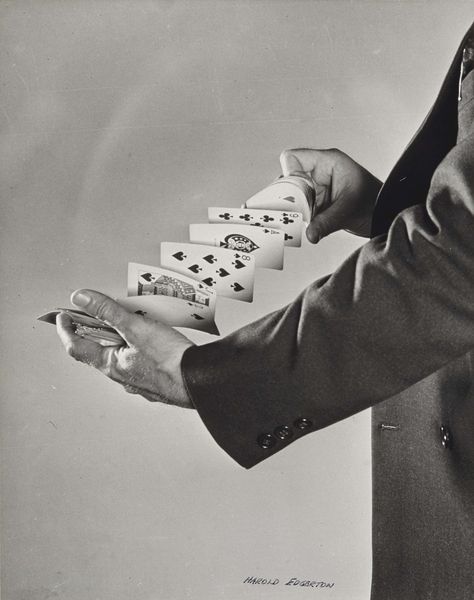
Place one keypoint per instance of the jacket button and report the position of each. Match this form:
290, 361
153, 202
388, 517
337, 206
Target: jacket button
446, 437
283, 432
266, 440
303, 423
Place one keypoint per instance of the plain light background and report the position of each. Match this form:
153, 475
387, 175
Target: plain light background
121, 122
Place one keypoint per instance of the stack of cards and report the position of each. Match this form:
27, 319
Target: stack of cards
219, 260
86, 326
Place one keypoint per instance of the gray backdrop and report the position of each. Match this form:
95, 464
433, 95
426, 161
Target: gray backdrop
121, 122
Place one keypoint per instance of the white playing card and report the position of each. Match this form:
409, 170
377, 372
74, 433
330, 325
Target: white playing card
291, 223
170, 297
175, 312
293, 194
263, 243
229, 272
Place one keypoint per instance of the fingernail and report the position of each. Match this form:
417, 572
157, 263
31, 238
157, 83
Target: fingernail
80, 299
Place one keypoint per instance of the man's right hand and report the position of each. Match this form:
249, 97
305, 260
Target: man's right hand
345, 192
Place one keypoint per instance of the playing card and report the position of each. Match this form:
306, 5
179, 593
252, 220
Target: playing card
294, 193
263, 243
87, 327
230, 273
291, 223
172, 311
170, 297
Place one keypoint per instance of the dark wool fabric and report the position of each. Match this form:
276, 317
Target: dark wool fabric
392, 329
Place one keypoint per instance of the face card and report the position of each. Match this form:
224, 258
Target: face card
170, 297
230, 273
263, 243
291, 223
291, 194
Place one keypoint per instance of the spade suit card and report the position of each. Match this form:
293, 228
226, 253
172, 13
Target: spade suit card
294, 193
291, 223
229, 272
263, 243
170, 298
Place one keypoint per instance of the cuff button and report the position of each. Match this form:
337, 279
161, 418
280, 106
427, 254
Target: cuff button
266, 440
283, 432
303, 423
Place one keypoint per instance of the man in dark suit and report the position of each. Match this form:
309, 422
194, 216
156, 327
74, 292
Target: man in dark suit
392, 328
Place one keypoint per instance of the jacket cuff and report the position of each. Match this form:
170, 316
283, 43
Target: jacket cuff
209, 399
246, 396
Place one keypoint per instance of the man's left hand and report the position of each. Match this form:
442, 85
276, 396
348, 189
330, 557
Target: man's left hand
149, 361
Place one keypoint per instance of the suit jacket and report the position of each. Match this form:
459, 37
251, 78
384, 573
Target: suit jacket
393, 329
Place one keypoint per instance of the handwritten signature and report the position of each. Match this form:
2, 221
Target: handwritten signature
293, 581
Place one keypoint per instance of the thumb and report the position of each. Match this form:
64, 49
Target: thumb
327, 221
302, 160
104, 308
290, 164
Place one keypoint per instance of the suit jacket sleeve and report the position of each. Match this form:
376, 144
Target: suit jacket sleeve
397, 310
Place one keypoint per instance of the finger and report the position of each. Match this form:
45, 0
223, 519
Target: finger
107, 310
328, 221
290, 164
83, 350
322, 197
305, 160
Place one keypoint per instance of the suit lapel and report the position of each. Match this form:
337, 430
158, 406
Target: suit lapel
409, 181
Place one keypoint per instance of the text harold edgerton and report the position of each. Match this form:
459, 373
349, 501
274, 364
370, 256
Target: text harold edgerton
293, 581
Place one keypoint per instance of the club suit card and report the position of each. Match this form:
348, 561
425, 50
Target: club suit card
291, 223
292, 194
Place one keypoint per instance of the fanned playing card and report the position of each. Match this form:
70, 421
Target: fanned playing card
263, 243
170, 298
294, 193
291, 223
229, 272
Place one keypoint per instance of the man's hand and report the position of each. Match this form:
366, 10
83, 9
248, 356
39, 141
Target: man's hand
345, 191
149, 362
